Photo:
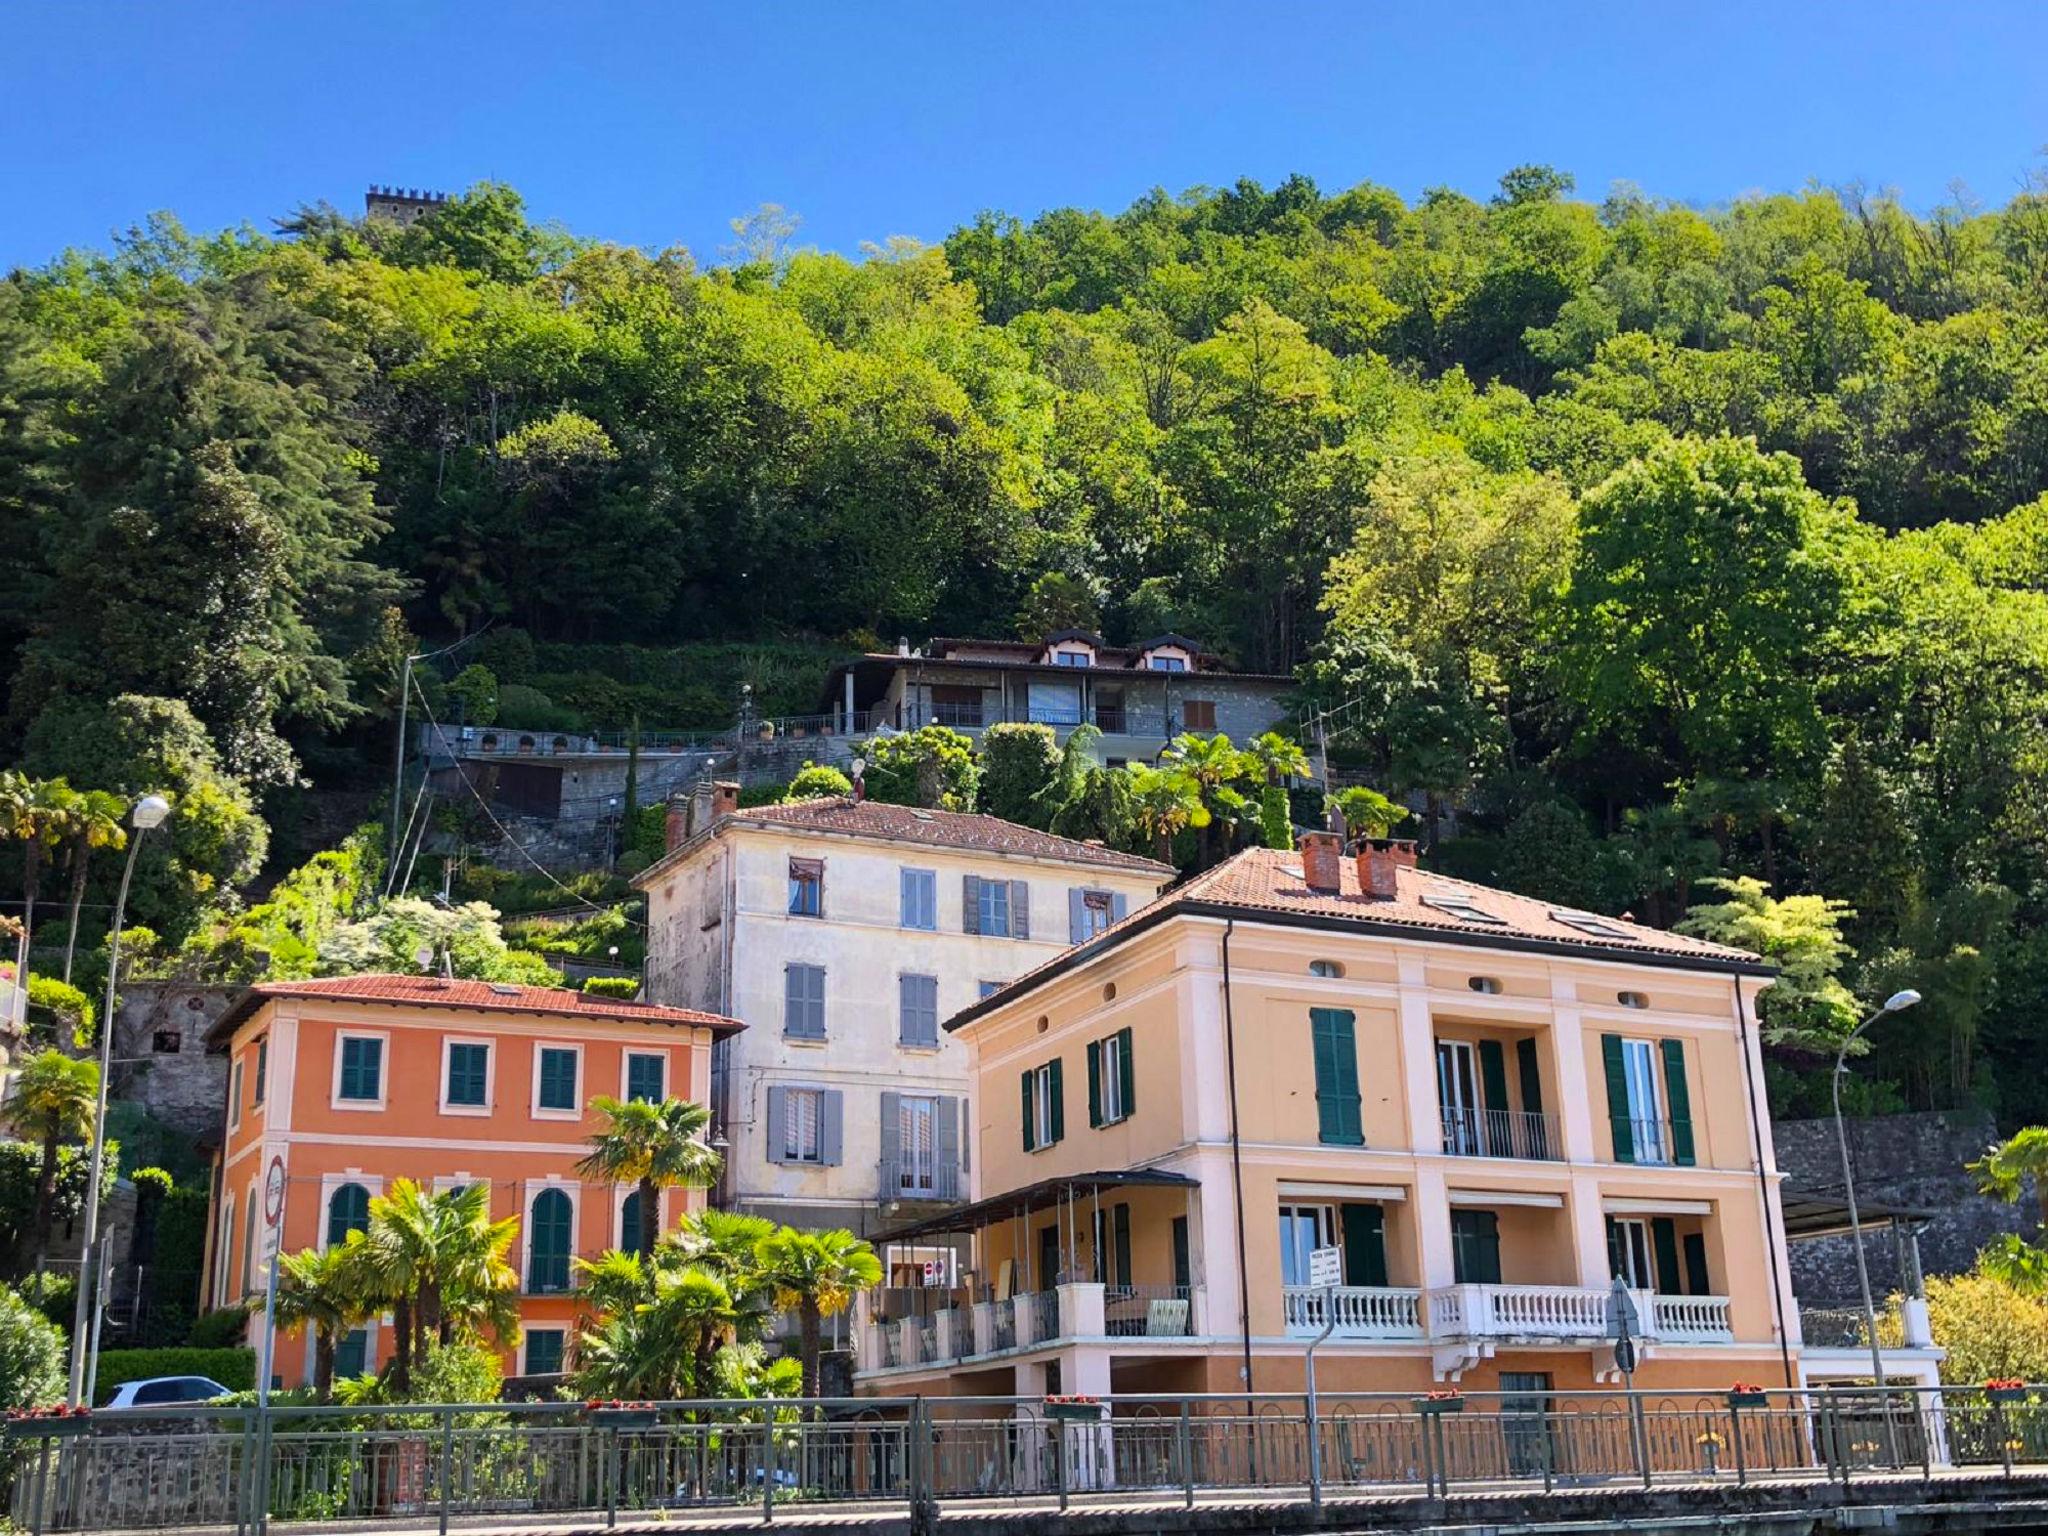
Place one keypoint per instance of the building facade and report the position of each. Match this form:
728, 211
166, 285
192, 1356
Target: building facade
843, 932
1140, 697
356, 1081
1314, 1088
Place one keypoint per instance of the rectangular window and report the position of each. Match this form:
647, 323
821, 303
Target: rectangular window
1044, 1112
1475, 1247
1628, 1252
1054, 703
801, 1123
1112, 1087
1089, 912
956, 706
557, 1089
1198, 714
1645, 1101
1070, 658
262, 1066
1168, 664
235, 1096
543, 1351
468, 1075
995, 908
803, 1002
1648, 1106
806, 887
362, 1069
918, 1000
167, 1042
920, 893
1338, 1117
999, 908
1303, 1229
917, 1142
646, 1077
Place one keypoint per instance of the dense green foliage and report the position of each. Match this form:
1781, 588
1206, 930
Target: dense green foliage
31, 1355
1653, 544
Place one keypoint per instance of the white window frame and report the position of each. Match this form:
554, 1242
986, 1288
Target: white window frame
369, 1327
235, 1086
530, 1191
1109, 1078
1325, 1218
548, 1327
539, 1111
1639, 1260
816, 1096
474, 1111
1073, 656
383, 1039
224, 1249
626, 1069
1041, 1107
906, 1158
1642, 1067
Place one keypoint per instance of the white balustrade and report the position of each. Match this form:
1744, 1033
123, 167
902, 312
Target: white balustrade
1360, 1311
1548, 1311
1693, 1319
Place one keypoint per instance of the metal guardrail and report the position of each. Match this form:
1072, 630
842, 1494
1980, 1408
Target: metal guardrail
1501, 1133
233, 1466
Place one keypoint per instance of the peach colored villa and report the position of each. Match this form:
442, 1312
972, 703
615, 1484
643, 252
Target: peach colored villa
1482, 1107
356, 1081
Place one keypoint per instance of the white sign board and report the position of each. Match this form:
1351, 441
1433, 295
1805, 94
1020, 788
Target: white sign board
1326, 1266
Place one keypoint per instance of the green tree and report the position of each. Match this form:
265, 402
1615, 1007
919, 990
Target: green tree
1020, 773
1808, 1006
2004, 1171
51, 1101
95, 822
933, 766
817, 781
653, 1146
31, 1356
439, 1262
36, 813
815, 1275
326, 1291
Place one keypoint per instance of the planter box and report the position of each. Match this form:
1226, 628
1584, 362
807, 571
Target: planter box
1749, 1400
2006, 1394
1074, 1413
1439, 1405
624, 1418
70, 1427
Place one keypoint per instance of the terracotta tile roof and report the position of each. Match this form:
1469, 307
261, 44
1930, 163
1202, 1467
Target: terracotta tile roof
1267, 882
468, 996
846, 817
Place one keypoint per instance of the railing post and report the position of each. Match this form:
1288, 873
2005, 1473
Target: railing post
447, 1462
611, 1476
1735, 1440
768, 1460
42, 1487
1059, 1458
1187, 1458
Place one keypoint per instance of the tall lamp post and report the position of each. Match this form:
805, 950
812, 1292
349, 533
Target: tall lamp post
149, 812
1898, 1002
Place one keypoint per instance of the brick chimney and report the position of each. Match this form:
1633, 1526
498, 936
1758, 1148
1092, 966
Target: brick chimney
1322, 862
676, 828
1378, 859
725, 799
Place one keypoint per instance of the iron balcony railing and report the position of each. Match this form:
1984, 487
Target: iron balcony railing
1148, 1311
1501, 1133
1833, 1327
1631, 1457
921, 1178
1002, 1319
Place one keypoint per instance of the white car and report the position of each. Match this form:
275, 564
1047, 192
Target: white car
165, 1392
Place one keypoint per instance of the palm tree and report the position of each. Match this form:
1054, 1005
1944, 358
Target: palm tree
439, 1262
325, 1290
1164, 804
95, 822
666, 1344
655, 1146
1278, 757
815, 1275
53, 1102
32, 811
1212, 768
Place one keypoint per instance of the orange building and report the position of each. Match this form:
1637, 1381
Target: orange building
356, 1081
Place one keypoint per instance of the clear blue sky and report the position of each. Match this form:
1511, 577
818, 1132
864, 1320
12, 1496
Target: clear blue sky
656, 123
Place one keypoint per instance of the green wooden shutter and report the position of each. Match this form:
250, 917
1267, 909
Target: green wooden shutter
1365, 1244
1336, 1063
1127, 1076
1095, 1083
1121, 1230
1057, 1116
1030, 1138
1530, 1074
1614, 1254
1664, 1239
1617, 1098
1493, 1077
1183, 1257
1475, 1247
1681, 1104
1697, 1282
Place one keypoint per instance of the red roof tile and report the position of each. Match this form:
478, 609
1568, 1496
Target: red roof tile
476, 996
846, 817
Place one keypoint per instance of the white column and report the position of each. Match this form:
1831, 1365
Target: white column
1589, 1231
1215, 1238
1082, 1311
1433, 1227
1568, 1071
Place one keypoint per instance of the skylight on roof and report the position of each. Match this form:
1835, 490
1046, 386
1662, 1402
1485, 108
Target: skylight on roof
503, 989
1461, 907
1587, 923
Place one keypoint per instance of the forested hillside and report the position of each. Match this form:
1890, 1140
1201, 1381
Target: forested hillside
1660, 544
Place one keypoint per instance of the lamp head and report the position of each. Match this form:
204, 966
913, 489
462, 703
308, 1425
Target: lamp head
150, 811
1898, 1002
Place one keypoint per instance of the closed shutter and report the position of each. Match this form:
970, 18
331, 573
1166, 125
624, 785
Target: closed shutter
1680, 1102
1127, 1075
1664, 1239
1336, 1064
1494, 1119
778, 1125
803, 1008
970, 903
1531, 1076
1475, 1247
1119, 906
1058, 1114
1077, 915
947, 1173
1183, 1256
1617, 1098
831, 1128
1122, 1228
918, 1006
1697, 1281
1365, 1244
1020, 910
892, 1145
1094, 1083
1030, 1129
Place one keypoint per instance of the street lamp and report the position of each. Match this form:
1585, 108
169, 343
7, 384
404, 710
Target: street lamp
1898, 1002
149, 812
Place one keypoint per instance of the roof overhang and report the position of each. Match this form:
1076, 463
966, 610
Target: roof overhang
1034, 1197
245, 1007
1823, 1213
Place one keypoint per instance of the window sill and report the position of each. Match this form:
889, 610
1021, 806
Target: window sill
558, 1114
918, 1047
472, 1111
1341, 1141
360, 1106
812, 1040
1103, 1125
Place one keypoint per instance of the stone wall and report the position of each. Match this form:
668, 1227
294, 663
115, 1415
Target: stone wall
1907, 1160
160, 1053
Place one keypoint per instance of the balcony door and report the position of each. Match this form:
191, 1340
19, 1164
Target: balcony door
1457, 1092
1645, 1101
1303, 1229
917, 1132
1628, 1252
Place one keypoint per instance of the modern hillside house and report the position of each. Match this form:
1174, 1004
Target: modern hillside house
1313, 1087
1140, 697
843, 932
355, 1081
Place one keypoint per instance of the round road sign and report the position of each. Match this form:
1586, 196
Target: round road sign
273, 1192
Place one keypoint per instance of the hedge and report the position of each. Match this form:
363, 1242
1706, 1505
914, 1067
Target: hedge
234, 1369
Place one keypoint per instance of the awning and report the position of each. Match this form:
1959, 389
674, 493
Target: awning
1033, 1197
1819, 1213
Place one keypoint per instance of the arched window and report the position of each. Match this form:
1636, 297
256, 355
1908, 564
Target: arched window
348, 1210
547, 1243
629, 1223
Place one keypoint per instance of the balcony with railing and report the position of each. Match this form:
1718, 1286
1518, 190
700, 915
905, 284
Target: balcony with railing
1127, 1316
1147, 1311
1501, 1133
1358, 1311
920, 1177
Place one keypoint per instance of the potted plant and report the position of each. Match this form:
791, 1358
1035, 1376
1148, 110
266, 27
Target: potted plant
614, 1414
1073, 1407
59, 1423
1441, 1402
2006, 1389
1748, 1395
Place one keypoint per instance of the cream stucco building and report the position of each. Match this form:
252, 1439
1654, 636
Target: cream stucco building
1481, 1107
844, 932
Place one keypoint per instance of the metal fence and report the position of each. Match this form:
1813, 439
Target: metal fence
235, 1467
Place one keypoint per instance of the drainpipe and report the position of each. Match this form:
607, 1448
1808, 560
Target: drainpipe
1763, 1184
1244, 1294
